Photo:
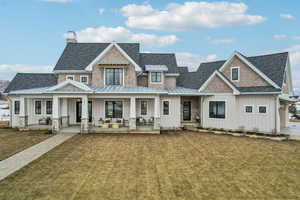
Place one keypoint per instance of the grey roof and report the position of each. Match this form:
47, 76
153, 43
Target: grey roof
3, 85
258, 89
126, 90
77, 56
159, 59
24, 81
183, 91
182, 69
156, 68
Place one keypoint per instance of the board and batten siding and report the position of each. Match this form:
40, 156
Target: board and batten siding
173, 119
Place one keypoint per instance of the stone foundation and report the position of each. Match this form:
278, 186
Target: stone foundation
55, 125
84, 126
156, 123
132, 124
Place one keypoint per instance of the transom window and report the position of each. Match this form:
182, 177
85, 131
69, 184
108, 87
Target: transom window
249, 109
38, 107
235, 73
217, 109
84, 79
113, 76
48, 107
143, 107
155, 77
113, 109
17, 107
166, 107
262, 109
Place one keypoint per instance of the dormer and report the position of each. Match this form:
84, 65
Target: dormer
156, 75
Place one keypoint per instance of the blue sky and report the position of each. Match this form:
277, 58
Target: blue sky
32, 36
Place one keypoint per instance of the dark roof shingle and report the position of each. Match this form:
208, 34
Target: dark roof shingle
167, 59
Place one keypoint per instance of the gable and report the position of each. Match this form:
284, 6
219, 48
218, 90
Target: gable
248, 77
69, 87
217, 85
113, 56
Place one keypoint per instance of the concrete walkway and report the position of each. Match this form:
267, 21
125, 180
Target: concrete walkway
21, 159
293, 130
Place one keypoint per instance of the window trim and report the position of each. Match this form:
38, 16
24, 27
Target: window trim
46, 107
163, 110
112, 117
146, 107
15, 107
35, 107
258, 106
225, 111
248, 112
123, 74
161, 77
67, 77
232, 74
87, 79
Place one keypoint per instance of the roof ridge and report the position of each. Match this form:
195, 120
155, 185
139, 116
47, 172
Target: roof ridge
157, 53
272, 54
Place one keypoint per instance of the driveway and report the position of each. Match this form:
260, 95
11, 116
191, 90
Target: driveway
293, 129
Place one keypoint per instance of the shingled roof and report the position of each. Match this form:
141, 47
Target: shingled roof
24, 81
159, 59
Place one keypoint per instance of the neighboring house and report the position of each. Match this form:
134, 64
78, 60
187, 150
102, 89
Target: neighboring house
3, 85
117, 83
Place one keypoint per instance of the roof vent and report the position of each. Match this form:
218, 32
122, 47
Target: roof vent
71, 37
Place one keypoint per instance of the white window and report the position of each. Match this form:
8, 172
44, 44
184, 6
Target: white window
262, 109
17, 107
248, 109
70, 77
217, 109
114, 76
235, 73
84, 79
38, 107
166, 108
144, 107
156, 77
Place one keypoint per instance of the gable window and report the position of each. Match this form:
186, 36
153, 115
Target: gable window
248, 109
165, 107
235, 73
48, 107
155, 77
113, 109
262, 109
217, 109
113, 76
70, 77
38, 107
144, 107
17, 107
84, 79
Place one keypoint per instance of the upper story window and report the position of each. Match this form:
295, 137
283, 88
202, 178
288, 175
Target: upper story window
84, 79
113, 76
17, 107
155, 77
235, 73
70, 77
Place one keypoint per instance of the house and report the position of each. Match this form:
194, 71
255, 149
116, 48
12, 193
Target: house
96, 85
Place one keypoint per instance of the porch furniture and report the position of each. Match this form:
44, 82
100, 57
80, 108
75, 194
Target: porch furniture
104, 125
115, 125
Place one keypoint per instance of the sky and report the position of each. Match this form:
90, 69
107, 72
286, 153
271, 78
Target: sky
33, 32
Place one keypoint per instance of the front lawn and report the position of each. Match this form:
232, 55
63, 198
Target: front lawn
176, 166
13, 141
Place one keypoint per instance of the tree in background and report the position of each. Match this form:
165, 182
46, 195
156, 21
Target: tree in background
293, 109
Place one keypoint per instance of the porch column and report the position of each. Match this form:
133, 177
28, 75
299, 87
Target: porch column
55, 115
132, 118
286, 115
64, 113
84, 115
156, 113
23, 118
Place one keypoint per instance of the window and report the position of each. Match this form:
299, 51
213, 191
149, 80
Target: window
48, 107
70, 77
235, 73
166, 108
143, 107
84, 79
17, 107
217, 109
262, 109
113, 109
114, 76
248, 109
38, 107
155, 77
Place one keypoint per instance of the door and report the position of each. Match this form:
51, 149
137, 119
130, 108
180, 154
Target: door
186, 110
79, 110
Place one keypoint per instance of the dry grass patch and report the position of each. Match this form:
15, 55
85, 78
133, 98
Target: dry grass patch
13, 141
176, 166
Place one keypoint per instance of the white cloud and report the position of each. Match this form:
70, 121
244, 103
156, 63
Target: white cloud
279, 36
287, 16
222, 41
101, 11
296, 38
7, 72
189, 16
193, 60
58, 1
121, 34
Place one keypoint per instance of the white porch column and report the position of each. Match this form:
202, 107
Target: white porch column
156, 113
64, 113
55, 114
23, 118
286, 115
132, 118
84, 115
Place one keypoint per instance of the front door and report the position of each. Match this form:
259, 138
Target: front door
79, 110
186, 110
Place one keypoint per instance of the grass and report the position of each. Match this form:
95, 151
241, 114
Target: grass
176, 166
13, 141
